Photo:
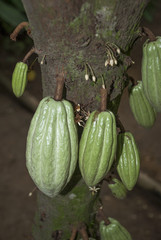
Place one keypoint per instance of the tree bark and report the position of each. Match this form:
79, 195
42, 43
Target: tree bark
71, 36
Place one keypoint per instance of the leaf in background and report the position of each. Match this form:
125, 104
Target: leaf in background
18, 4
149, 12
11, 15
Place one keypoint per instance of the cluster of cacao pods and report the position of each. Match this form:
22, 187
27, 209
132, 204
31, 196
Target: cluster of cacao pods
114, 230
52, 143
99, 145
52, 149
145, 97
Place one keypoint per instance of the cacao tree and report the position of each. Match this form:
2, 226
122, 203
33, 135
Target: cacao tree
83, 49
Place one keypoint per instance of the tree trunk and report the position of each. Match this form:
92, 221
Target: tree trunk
71, 36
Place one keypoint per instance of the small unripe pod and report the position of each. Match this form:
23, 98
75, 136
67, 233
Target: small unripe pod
118, 189
127, 155
19, 78
113, 231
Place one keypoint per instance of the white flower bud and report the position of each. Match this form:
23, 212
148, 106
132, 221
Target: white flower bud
93, 78
106, 63
86, 77
118, 50
42, 60
111, 62
115, 61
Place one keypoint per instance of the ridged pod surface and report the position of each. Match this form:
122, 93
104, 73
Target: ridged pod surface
127, 155
113, 231
118, 189
19, 78
151, 72
97, 147
52, 146
142, 110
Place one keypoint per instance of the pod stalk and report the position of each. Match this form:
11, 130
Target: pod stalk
60, 79
149, 33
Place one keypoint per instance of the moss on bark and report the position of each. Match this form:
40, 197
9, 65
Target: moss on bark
75, 205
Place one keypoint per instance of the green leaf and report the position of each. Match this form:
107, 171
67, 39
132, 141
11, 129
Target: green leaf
11, 15
18, 4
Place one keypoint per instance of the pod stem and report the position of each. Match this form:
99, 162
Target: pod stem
32, 50
74, 232
120, 125
15, 33
104, 94
60, 79
102, 216
83, 231
149, 33
133, 81
32, 64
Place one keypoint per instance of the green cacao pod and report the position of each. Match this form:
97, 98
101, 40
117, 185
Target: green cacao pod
142, 110
118, 189
97, 147
151, 72
127, 155
52, 146
113, 231
19, 78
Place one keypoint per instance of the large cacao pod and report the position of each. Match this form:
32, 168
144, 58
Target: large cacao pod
142, 110
113, 231
19, 78
151, 72
127, 155
97, 146
52, 146
118, 189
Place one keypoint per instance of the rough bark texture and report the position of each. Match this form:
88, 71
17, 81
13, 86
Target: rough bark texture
71, 34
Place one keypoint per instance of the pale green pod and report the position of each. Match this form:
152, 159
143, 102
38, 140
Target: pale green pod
151, 72
102, 228
142, 110
52, 146
113, 231
128, 160
118, 189
122, 231
97, 147
19, 78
